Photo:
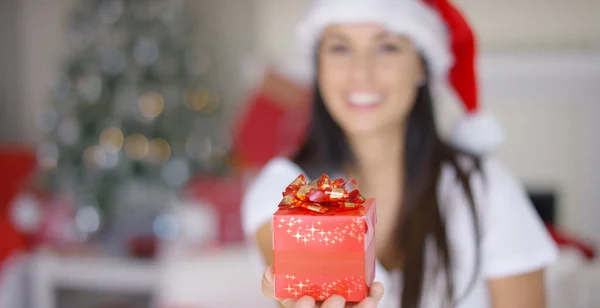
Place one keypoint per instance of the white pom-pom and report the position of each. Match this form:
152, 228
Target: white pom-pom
477, 134
26, 213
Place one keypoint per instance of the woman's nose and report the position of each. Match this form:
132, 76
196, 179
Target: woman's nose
361, 69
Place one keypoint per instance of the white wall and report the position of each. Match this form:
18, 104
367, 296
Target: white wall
42, 42
509, 25
227, 30
10, 126
513, 25
548, 106
540, 75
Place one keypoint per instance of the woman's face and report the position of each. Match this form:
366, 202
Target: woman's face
368, 77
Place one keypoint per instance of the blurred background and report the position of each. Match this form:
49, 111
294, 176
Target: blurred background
129, 129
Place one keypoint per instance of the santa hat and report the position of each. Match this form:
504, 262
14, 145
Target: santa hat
441, 34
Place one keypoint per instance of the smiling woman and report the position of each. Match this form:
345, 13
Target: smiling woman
455, 228
360, 68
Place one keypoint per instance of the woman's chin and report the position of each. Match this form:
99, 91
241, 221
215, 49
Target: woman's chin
371, 126
362, 129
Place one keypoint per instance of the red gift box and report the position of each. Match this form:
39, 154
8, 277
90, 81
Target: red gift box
324, 248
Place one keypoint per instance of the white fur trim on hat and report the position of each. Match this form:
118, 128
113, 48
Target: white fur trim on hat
412, 18
477, 133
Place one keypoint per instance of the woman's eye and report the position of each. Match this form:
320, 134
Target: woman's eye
338, 49
389, 47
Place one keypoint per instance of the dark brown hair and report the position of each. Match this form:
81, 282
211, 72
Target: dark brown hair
326, 150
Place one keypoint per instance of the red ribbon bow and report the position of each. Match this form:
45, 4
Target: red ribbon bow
322, 195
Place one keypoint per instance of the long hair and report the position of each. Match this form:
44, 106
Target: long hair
420, 221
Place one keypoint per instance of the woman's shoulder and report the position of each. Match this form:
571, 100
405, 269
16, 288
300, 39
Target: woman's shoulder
514, 238
264, 192
486, 173
495, 189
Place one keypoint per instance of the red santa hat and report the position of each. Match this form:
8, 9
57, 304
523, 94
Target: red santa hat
441, 34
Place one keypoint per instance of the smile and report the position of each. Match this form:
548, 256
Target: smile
364, 99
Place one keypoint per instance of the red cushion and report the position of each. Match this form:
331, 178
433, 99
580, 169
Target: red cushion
16, 165
269, 129
272, 122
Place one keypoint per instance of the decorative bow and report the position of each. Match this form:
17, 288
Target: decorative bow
322, 195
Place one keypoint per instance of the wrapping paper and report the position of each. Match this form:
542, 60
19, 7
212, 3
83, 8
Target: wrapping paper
324, 241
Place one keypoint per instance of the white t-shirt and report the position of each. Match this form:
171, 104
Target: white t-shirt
514, 239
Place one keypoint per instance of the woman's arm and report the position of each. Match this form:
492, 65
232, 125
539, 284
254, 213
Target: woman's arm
516, 246
520, 291
264, 238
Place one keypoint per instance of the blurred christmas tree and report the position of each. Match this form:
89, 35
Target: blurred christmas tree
132, 116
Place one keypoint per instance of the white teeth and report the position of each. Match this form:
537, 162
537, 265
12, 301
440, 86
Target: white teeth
364, 99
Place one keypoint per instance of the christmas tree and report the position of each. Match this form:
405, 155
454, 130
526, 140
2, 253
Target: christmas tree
131, 116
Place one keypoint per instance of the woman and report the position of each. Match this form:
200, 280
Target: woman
454, 228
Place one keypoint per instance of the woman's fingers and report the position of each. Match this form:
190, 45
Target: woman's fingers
376, 291
375, 295
303, 302
267, 283
334, 301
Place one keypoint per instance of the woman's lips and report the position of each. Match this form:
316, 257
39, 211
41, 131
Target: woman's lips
364, 99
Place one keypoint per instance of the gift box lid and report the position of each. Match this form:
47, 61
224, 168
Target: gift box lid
299, 229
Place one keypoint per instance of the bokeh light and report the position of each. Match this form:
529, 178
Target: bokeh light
197, 100
136, 146
94, 157
202, 101
151, 104
111, 139
159, 151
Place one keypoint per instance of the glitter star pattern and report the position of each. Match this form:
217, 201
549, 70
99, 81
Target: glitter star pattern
348, 287
321, 255
306, 233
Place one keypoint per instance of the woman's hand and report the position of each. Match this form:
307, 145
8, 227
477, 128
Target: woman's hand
335, 301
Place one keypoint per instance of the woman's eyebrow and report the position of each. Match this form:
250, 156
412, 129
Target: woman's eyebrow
338, 36
383, 35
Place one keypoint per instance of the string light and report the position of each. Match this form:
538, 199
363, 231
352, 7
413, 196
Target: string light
111, 139
47, 163
212, 105
94, 157
136, 146
151, 104
197, 100
203, 101
159, 151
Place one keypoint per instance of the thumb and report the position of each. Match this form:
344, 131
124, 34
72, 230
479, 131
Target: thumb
267, 283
